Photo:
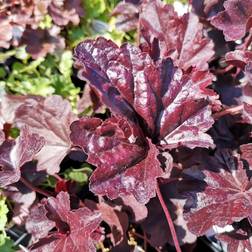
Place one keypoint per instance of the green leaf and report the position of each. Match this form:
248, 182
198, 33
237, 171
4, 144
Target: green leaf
76, 34
66, 62
50, 182
3, 213
6, 244
2, 72
78, 175
14, 132
94, 8
46, 23
5, 55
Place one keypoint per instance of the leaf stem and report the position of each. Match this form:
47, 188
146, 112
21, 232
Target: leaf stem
169, 219
35, 189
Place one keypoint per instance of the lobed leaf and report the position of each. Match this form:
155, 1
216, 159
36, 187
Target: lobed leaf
222, 196
234, 21
51, 118
171, 104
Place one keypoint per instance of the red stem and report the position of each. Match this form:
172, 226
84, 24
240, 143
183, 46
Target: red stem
35, 189
169, 219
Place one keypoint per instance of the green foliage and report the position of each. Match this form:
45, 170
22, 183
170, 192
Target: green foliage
3, 213
97, 21
6, 244
78, 175
44, 76
50, 182
14, 132
94, 9
46, 23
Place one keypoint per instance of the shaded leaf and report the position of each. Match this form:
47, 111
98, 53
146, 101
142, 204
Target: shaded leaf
114, 217
14, 154
222, 195
50, 118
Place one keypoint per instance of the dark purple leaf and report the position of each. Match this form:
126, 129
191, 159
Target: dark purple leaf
40, 42
10, 103
126, 16
180, 38
155, 224
235, 20
236, 241
109, 145
90, 100
172, 104
222, 194
50, 118
74, 227
37, 224
246, 153
114, 217
238, 58
207, 9
22, 199
5, 31
243, 59
63, 12
15, 153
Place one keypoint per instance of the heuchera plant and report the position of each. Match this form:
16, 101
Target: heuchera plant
169, 162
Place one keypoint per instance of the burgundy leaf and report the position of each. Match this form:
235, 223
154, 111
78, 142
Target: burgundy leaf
22, 199
235, 20
243, 59
155, 224
14, 17
41, 42
90, 100
5, 31
126, 16
37, 224
10, 103
137, 211
237, 241
180, 38
207, 9
222, 195
238, 58
50, 118
114, 217
109, 145
74, 227
246, 153
93, 58
14, 154
64, 11
172, 104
